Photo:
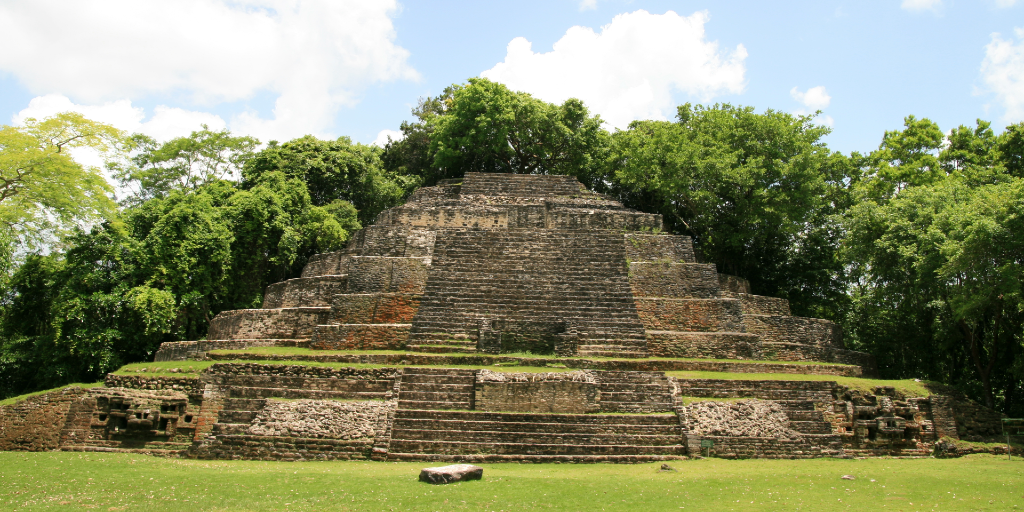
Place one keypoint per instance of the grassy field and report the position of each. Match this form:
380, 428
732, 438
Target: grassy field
92, 481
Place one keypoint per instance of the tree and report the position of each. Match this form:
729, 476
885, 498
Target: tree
757, 192
938, 294
488, 128
43, 191
335, 170
182, 163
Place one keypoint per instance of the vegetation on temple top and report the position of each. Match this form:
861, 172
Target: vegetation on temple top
914, 247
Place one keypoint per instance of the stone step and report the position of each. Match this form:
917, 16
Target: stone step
434, 405
251, 392
452, 425
553, 419
434, 396
244, 417
811, 427
220, 429
540, 438
466, 448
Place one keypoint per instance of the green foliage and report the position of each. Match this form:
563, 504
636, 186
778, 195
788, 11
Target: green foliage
757, 192
935, 250
182, 163
485, 127
492, 129
335, 170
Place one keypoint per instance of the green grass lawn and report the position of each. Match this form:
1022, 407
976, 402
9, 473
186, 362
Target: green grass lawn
93, 481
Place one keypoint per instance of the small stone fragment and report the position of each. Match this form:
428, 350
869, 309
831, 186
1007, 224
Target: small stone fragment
453, 473
848, 477
666, 467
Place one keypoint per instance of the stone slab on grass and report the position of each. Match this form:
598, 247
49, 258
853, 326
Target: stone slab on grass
452, 473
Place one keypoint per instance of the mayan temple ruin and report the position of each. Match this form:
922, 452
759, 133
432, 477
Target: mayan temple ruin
503, 318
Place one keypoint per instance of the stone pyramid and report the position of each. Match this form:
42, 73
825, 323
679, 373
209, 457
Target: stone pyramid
506, 263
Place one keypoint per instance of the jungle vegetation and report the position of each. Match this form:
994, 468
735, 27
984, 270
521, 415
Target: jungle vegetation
916, 247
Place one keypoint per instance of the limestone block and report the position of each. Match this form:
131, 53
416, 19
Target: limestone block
304, 292
374, 308
703, 315
733, 284
326, 264
795, 329
453, 473
716, 345
372, 274
645, 247
287, 323
360, 337
673, 280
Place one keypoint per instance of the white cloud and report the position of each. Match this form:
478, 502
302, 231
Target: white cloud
1003, 72
921, 5
1005, 3
630, 69
166, 122
586, 5
382, 137
315, 55
815, 97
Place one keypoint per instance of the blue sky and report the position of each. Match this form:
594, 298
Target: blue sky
279, 69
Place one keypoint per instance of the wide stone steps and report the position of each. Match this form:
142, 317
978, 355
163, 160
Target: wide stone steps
285, 448
539, 438
475, 448
527, 427
436, 388
312, 394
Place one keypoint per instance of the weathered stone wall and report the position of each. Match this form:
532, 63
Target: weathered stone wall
666, 248
805, 447
374, 308
714, 345
761, 305
393, 241
673, 280
304, 292
559, 218
34, 424
185, 350
360, 337
795, 329
567, 392
698, 315
188, 385
800, 352
288, 323
812, 391
374, 274
737, 366
327, 264
520, 185
733, 284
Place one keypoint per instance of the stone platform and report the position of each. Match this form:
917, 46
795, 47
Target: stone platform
486, 271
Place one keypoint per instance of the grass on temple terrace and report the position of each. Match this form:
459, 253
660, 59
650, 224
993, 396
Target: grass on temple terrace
109, 482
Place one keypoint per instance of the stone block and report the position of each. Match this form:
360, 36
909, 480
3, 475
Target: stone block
666, 248
673, 280
713, 345
701, 315
453, 473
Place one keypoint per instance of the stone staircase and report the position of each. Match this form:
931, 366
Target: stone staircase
491, 436
551, 281
436, 388
635, 392
778, 390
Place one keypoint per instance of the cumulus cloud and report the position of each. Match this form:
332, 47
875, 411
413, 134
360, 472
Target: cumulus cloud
165, 123
1003, 72
813, 99
922, 5
586, 5
314, 55
384, 135
629, 69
